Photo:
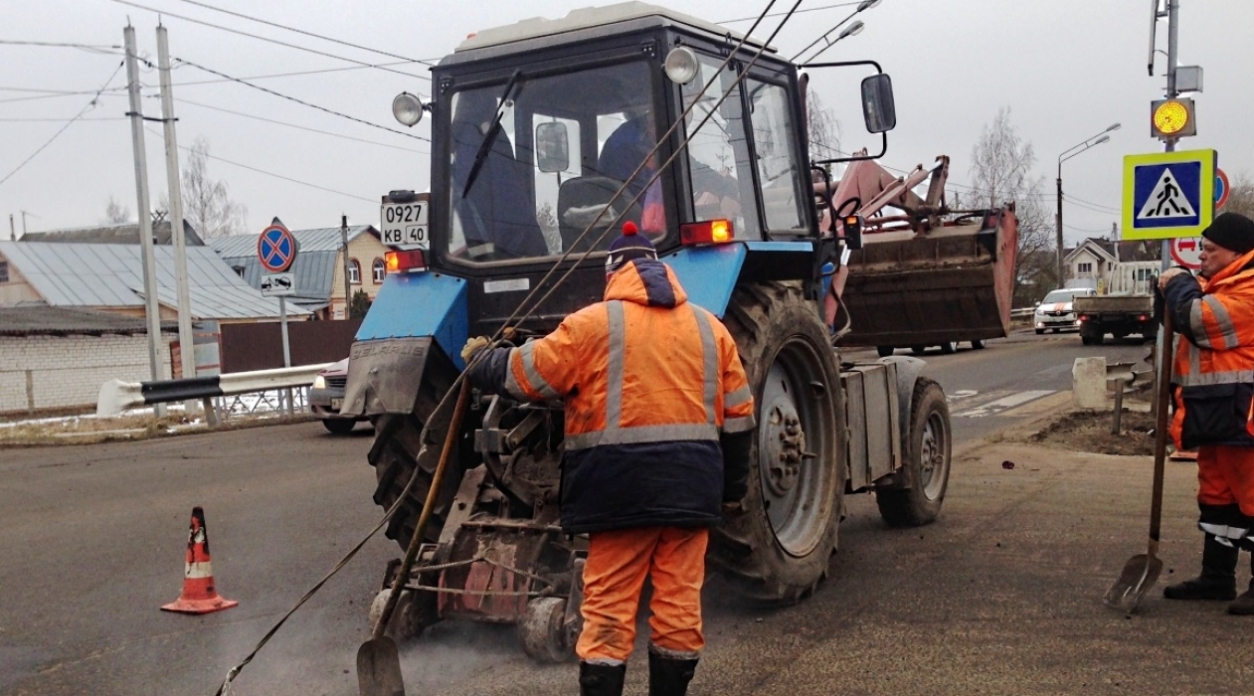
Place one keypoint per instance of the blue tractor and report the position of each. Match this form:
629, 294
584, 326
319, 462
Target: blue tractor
542, 148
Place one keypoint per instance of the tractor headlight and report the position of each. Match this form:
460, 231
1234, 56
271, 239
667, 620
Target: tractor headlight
407, 108
681, 65
319, 382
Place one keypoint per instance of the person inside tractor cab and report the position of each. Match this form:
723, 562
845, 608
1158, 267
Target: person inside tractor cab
496, 213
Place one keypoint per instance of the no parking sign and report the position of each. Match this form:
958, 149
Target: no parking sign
1186, 251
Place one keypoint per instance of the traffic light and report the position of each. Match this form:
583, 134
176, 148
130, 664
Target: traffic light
1172, 118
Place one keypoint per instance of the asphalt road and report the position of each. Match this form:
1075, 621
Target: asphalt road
1001, 595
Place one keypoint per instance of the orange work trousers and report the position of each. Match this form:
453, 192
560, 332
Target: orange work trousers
613, 577
1225, 476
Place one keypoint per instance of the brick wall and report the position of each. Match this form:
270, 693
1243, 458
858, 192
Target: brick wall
41, 372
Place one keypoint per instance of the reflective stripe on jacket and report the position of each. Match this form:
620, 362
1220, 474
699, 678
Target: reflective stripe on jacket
650, 381
1213, 370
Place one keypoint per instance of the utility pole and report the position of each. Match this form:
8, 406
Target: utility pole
152, 310
187, 351
12, 230
348, 285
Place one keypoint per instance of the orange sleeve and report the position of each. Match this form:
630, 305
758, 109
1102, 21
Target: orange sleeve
548, 368
737, 395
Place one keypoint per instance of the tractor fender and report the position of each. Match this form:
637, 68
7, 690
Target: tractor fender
711, 273
908, 371
415, 316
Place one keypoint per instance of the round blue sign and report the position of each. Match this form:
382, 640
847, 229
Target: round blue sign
276, 247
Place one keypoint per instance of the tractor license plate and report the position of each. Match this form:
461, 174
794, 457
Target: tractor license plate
336, 403
405, 224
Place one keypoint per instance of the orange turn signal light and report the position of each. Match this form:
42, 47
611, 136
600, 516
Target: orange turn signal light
707, 232
405, 261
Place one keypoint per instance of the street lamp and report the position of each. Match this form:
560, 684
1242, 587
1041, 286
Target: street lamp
853, 29
1066, 155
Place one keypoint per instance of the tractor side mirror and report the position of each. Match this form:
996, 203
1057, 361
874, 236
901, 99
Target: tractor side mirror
878, 107
552, 147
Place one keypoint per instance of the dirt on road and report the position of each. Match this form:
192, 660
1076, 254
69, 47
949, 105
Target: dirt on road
1090, 431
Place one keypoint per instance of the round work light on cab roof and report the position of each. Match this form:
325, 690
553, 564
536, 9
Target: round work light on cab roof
681, 65
407, 108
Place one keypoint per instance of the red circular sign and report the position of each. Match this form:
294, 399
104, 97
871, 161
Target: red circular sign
1222, 187
276, 247
1186, 251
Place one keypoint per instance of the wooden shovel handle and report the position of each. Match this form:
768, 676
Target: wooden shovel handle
1163, 399
411, 553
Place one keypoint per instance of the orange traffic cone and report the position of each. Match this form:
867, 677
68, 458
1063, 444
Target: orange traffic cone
199, 594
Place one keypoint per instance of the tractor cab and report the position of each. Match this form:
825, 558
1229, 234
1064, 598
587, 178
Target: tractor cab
544, 137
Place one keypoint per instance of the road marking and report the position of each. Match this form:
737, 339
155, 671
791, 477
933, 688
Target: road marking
1007, 402
1033, 408
961, 394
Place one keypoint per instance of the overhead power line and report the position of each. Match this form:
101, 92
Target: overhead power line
314, 51
778, 14
299, 127
262, 171
108, 49
306, 33
59, 120
299, 101
90, 105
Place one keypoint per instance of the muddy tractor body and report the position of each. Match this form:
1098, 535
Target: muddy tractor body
516, 187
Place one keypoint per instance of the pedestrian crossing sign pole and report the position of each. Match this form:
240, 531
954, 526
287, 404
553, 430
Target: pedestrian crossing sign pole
1168, 194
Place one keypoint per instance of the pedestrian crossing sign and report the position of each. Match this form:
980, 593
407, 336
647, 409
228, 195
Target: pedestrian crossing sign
1168, 194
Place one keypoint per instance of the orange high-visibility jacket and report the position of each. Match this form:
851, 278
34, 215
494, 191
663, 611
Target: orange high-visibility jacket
1213, 370
650, 381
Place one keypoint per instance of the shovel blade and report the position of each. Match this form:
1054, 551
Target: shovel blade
1139, 574
379, 668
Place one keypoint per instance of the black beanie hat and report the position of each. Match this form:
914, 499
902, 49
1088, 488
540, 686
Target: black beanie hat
632, 245
1232, 231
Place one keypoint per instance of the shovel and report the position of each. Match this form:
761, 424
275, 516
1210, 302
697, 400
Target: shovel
1141, 571
378, 664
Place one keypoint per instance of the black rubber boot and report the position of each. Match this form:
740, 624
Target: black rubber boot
601, 680
1244, 606
669, 676
1218, 580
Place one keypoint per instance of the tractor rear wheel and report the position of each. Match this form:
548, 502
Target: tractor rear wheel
778, 548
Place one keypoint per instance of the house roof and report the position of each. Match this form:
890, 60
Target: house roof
111, 275
1140, 250
314, 267
42, 320
113, 234
1100, 247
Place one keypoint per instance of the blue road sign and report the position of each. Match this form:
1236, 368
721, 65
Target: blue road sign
276, 247
1169, 194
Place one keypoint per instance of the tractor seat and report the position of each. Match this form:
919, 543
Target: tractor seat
581, 200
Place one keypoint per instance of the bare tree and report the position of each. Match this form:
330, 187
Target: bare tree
116, 213
207, 204
1241, 197
1001, 168
822, 128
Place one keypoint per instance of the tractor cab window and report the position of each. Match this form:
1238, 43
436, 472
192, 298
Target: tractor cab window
720, 178
556, 175
775, 155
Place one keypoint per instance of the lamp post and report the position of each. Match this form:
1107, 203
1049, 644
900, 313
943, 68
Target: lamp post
852, 30
1063, 157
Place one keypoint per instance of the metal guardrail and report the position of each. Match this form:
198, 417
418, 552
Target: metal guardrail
1025, 312
117, 396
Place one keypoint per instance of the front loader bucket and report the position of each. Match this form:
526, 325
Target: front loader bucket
954, 283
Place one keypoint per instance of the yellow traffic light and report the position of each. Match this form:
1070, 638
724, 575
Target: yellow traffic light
1172, 118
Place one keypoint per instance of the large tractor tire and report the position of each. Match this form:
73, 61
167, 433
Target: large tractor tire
395, 456
778, 548
926, 470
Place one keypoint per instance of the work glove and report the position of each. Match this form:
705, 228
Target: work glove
473, 345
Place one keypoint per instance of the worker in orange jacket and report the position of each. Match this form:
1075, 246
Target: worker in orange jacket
659, 418
1213, 377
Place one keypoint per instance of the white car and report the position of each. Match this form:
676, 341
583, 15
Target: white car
1056, 311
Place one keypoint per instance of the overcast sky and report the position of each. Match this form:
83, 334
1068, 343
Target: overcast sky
1066, 69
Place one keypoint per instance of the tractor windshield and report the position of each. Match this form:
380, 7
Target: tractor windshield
567, 145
